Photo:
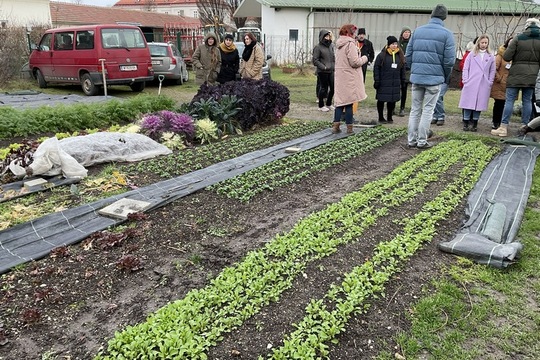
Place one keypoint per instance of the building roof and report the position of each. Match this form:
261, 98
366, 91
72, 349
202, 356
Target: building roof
419, 6
72, 14
155, 2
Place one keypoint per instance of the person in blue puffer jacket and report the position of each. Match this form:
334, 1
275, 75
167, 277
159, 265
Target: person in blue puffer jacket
431, 55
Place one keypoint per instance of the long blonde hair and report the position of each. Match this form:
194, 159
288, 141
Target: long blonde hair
477, 44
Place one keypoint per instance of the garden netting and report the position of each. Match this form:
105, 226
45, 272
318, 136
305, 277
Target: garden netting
495, 208
35, 239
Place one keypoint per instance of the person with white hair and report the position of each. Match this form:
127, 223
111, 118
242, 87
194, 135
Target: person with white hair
524, 53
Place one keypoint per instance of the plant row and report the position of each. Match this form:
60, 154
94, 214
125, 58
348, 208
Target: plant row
61, 118
199, 157
296, 167
187, 327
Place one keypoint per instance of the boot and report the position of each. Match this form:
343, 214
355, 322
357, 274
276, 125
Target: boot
474, 125
349, 129
501, 131
465, 125
335, 127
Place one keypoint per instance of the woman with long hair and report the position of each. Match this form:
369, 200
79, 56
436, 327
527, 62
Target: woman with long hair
252, 60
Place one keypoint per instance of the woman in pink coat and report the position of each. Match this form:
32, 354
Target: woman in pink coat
348, 78
478, 75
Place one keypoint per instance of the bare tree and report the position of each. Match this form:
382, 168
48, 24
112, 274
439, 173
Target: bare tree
212, 12
232, 5
149, 5
502, 22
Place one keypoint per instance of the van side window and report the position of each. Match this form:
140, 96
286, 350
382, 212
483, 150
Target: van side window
45, 43
85, 40
63, 41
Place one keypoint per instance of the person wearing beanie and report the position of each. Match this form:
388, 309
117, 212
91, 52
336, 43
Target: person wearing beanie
366, 48
523, 52
324, 61
431, 54
388, 78
230, 60
403, 42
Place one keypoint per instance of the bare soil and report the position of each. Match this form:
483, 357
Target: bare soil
70, 303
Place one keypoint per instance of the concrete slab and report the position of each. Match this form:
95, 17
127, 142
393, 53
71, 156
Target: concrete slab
123, 207
33, 183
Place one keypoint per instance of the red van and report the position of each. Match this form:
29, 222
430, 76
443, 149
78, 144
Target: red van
73, 55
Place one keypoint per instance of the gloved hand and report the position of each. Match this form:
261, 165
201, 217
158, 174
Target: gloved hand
376, 84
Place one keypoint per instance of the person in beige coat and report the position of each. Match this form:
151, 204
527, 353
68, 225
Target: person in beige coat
252, 59
349, 79
498, 89
207, 60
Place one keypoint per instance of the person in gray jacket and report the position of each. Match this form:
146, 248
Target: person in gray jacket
325, 61
431, 56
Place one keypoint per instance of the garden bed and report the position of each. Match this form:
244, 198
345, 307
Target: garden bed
71, 303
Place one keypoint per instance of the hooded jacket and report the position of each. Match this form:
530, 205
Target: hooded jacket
431, 54
498, 89
207, 61
524, 53
349, 80
324, 58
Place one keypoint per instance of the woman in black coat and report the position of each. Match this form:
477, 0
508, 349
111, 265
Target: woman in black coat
230, 60
389, 77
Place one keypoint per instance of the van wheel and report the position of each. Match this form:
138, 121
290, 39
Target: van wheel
88, 86
138, 86
40, 79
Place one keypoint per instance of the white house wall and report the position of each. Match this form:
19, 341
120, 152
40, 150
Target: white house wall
276, 26
25, 13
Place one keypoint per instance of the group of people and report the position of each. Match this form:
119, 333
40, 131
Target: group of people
425, 60
221, 62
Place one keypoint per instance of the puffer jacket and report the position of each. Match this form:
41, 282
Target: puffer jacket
324, 58
207, 61
349, 80
524, 53
431, 54
498, 89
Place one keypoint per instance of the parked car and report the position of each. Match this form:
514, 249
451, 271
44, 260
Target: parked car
266, 66
167, 61
93, 56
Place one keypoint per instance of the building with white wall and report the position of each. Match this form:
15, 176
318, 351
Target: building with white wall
25, 13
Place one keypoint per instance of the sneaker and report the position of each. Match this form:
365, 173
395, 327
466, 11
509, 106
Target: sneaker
324, 109
434, 121
424, 146
401, 112
383, 121
331, 108
440, 122
411, 145
390, 120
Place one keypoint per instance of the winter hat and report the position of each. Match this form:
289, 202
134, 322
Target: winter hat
532, 22
229, 36
440, 11
391, 39
362, 31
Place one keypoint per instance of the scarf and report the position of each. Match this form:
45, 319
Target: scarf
227, 49
246, 54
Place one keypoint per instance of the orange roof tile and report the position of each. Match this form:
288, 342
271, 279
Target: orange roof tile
72, 14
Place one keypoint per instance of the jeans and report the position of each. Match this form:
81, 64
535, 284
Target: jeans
439, 113
469, 114
338, 113
424, 98
526, 101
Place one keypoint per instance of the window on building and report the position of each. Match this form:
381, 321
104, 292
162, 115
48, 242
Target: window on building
293, 34
181, 12
195, 13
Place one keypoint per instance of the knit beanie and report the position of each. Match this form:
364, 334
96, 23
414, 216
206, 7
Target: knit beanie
532, 22
390, 40
229, 36
440, 11
362, 31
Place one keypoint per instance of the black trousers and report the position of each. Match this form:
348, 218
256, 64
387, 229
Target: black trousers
326, 88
